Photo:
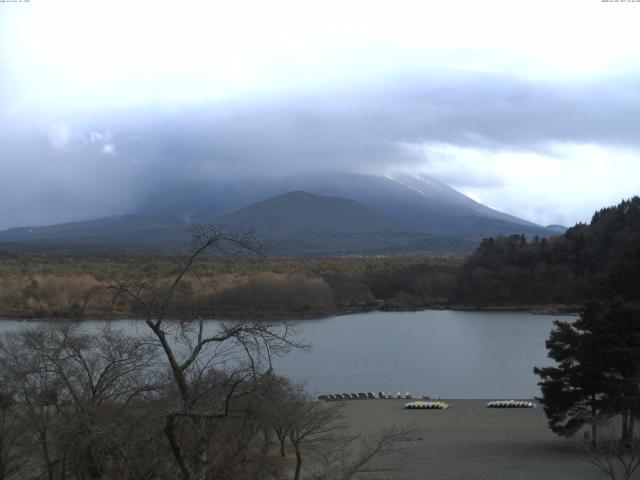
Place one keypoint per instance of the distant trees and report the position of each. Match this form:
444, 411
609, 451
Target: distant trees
275, 293
568, 269
223, 287
598, 370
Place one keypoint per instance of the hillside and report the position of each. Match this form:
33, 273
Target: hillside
128, 233
294, 224
301, 213
588, 261
300, 223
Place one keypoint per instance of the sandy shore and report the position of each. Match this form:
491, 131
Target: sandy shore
470, 441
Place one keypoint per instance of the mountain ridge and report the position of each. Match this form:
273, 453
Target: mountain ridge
299, 212
331, 215
416, 203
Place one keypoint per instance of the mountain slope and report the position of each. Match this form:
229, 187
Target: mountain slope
300, 223
134, 233
414, 203
293, 224
301, 213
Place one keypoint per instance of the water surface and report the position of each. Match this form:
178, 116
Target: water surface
448, 354
443, 353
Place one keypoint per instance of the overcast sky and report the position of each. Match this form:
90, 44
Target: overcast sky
531, 107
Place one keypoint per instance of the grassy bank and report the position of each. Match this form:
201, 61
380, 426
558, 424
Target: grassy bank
50, 286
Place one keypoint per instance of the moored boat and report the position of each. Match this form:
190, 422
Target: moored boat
510, 404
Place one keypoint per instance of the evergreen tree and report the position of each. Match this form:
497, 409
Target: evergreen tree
617, 328
572, 391
598, 369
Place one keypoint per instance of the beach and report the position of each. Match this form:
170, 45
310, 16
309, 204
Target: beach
470, 441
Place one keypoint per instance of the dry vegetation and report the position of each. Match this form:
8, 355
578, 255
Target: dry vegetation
36, 286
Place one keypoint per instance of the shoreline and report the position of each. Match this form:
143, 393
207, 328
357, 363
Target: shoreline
319, 315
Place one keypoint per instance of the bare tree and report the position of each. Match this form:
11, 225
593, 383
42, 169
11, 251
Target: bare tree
281, 408
311, 423
189, 399
10, 434
34, 389
209, 368
618, 459
317, 433
349, 455
72, 391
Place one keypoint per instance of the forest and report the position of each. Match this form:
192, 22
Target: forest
589, 261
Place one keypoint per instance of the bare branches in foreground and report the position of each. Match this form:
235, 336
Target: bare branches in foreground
213, 373
616, 458
183, 398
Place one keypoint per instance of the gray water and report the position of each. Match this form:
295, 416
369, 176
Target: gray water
447, 354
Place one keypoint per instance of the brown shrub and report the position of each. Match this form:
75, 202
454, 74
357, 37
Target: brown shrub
274, 292
45, 295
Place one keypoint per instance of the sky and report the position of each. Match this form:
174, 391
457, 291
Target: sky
530, 107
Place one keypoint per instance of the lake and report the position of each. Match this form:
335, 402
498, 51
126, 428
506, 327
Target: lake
442, 353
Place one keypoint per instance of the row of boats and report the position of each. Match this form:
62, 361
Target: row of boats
419, 404
426, 405
366, 396
510, 404
493, 404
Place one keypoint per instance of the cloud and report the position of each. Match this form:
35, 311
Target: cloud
108, 149
566, 183
104, 140
96, 137
534, 149
59, 135
470, 92
220, 52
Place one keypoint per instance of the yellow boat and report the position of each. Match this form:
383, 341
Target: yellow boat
426, 405
510, 404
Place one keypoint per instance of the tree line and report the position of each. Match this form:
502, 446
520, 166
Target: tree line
589, 261
55, 286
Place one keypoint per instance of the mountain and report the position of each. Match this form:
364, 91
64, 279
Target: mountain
300, 223
558, 229
130, 233
302, 213
329, 214
294, 224
416, 203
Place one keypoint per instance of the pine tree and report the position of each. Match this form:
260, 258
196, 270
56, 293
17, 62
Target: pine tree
598, 369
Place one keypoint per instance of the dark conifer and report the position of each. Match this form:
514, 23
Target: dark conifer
598, 369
